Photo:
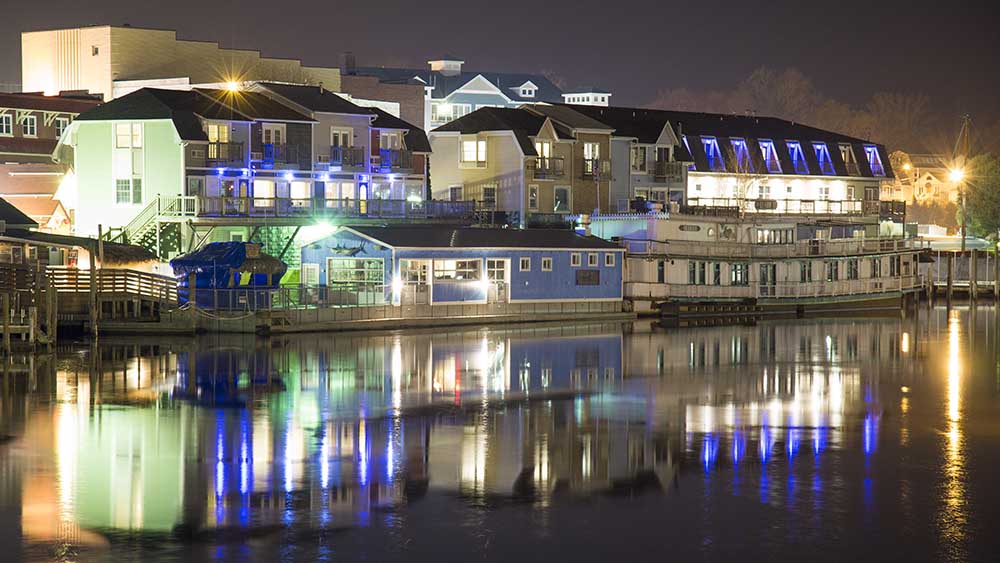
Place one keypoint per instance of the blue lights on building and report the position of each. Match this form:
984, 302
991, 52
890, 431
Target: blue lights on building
798, 157
823, 157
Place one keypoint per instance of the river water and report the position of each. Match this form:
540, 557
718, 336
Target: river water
867, 439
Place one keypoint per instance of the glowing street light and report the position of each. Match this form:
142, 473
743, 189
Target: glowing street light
233, 86
956, 175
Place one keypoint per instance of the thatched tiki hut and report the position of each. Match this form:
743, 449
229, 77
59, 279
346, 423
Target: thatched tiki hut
228, 275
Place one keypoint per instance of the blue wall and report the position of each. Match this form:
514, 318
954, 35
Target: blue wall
559, 284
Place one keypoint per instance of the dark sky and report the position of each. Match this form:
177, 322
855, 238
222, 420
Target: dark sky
948, 50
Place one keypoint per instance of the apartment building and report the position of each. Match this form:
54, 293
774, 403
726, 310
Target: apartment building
30, 126
531, 161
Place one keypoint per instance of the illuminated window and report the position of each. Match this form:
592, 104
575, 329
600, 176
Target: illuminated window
474, 152
533, 197
489, 200
128, 135
770, 156
457, 270
742, 154
847, 154
798, 157
638, 159
455, 193
823, 157
874, 160
713, 154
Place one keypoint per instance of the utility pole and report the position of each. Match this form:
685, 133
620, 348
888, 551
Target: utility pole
958, 171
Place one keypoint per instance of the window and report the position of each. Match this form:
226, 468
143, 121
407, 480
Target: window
527, 92
300, 194
128, 191
489, 197
609, 260
764, 191
876, 267
561, 200
524, 264
546, 264
742, 154
823, 157
95, 50
29, 127
770, 156
391, 140
369, 271
575, 260
661, 271
697, 272
341, 137
847, 154
457, 270
638, 159
832, 270
824, 192
443, 113
850, 192
798, 157
455, 193
717, 273
895, 265
6, 125
874, 160
592, 259
263, 193
533, 197
543, 148
128, 135
852, 269
474, 152
805, 271
61, 124
217, 132
713, 154
272, 133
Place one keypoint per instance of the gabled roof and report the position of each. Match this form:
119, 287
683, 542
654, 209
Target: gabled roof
180, 106
315, 98
13, 218
406, 236
522, 123
445, 84
255, 105
646, 124
40, 102
568, 116
416, 138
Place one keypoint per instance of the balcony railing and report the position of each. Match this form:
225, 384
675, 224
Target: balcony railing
276, 153
813, 248
224, 153
347, 157
547, 167
666, 171
868, 286
318, 208
703, 206
595, 169
392, 160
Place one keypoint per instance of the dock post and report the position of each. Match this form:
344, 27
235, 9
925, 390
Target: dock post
53, 316
93, 291
6, 323
951, 269
973, 275
996, 274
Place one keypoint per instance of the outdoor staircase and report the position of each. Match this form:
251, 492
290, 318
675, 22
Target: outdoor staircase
141, 230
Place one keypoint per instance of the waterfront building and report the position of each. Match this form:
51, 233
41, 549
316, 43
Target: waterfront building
752, 163
452, 92
749, 263
532, 162
174, 169
30, 126
432, 266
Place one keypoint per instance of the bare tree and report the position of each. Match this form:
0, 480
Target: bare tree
897, 119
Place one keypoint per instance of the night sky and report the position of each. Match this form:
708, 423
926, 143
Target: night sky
947, 50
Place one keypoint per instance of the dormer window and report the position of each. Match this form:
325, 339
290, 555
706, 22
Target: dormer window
528, 89
770, 156
798, 157
742, 154
874, 160
823, 157
713, 154
847, 154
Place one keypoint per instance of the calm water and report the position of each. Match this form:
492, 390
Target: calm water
873, 439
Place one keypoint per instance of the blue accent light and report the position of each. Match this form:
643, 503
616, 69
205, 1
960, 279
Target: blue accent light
219, 171
823, 156
770, 156
874, 160
289, 176
798, 157
819, 441
739, 447
713, 154
743, 162
766, 442
793, 443
869, 434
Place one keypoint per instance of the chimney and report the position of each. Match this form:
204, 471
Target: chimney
348, 64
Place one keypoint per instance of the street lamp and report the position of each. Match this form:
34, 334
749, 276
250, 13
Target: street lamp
957, 175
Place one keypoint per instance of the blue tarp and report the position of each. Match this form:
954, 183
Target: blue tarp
219, 265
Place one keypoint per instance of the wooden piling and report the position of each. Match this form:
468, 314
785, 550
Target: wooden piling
94, 313
973, 275
52, 322
996, 275
6, 323
951, 269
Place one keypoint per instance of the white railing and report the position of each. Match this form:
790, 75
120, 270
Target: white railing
800, 249
783, 290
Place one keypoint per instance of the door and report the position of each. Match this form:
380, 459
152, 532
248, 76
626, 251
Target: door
415, 290
496, 273
768, 275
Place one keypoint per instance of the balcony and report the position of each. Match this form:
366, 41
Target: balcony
547, 168
271, 154
392, 160
595, 169
727, 206
224, 153
311, 208
666, 171
348, 158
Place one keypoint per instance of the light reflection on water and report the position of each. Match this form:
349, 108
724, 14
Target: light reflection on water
183, 439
